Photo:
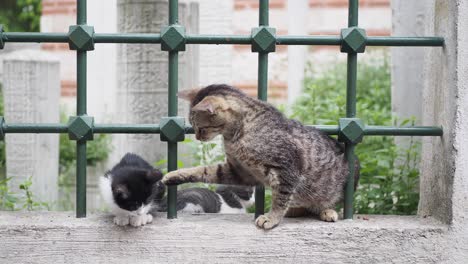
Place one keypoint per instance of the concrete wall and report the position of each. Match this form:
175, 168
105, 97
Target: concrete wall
444, 178
409, 19
212, 238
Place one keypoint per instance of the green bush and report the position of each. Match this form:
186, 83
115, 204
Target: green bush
20, 15
389, 176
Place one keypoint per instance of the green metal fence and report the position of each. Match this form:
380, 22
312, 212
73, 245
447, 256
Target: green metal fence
173, 39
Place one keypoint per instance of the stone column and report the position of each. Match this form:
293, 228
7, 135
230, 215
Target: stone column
444, 173
31, 87
297, 55
216, 17
142, 74
408, 19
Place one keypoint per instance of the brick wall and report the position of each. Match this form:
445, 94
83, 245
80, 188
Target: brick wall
326, 17
237, 62
57, 15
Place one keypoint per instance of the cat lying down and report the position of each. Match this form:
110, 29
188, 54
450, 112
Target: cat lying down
134, 193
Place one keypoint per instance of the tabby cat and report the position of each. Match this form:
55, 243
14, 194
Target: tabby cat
305, 168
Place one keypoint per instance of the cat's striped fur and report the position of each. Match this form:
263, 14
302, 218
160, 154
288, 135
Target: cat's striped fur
305, 168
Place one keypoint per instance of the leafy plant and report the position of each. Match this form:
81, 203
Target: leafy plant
8, 199
14, 201
30, 204
20, 15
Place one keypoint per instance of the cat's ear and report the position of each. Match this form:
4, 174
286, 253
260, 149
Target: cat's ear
188, 95
205, 106
153, 176
121, 191
211, 104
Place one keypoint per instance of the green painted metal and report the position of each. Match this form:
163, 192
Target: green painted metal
172, 129
351, 130
80, 128
263, 39
221, 39
81, 77
405, 41
2, 42
130, 38
218, 39
262, 86
351, 85
2, 132
351, 103
353, 13
81, 37
12, 128
172, 110
173, 12
353, 40
263, 13
173, 38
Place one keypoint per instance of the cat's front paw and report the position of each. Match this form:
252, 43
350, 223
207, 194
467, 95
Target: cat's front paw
140, 220
266, 222
121, 220
329, 215
175, 178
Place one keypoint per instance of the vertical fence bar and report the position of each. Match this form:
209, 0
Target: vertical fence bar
351, 111
172, 111
262, 92
81, 110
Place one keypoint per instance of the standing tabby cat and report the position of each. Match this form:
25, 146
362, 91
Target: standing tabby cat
305, 168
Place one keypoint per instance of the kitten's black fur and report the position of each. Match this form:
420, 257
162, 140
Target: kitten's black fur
135, 182
209, 201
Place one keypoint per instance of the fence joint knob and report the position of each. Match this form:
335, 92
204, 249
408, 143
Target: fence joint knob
173, 38
172, 129
81, 128
263, 39
353, 40
81, 37
351, 130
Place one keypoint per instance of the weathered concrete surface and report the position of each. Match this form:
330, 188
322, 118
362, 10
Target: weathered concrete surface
31, 88
408, 19
444, 174
62, 238
142, 72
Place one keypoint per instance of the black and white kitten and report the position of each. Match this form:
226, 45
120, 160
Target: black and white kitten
133, 191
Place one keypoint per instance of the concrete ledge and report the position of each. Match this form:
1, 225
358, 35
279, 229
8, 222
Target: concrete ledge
54, 237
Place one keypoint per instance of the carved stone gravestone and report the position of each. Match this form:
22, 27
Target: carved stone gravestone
31, 87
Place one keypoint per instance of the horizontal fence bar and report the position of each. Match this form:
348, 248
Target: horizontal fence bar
403, 131
218, 39
127, 129
308, 40
34, 37
127, 38
35, 128
155, 129
223, 39
405, 41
